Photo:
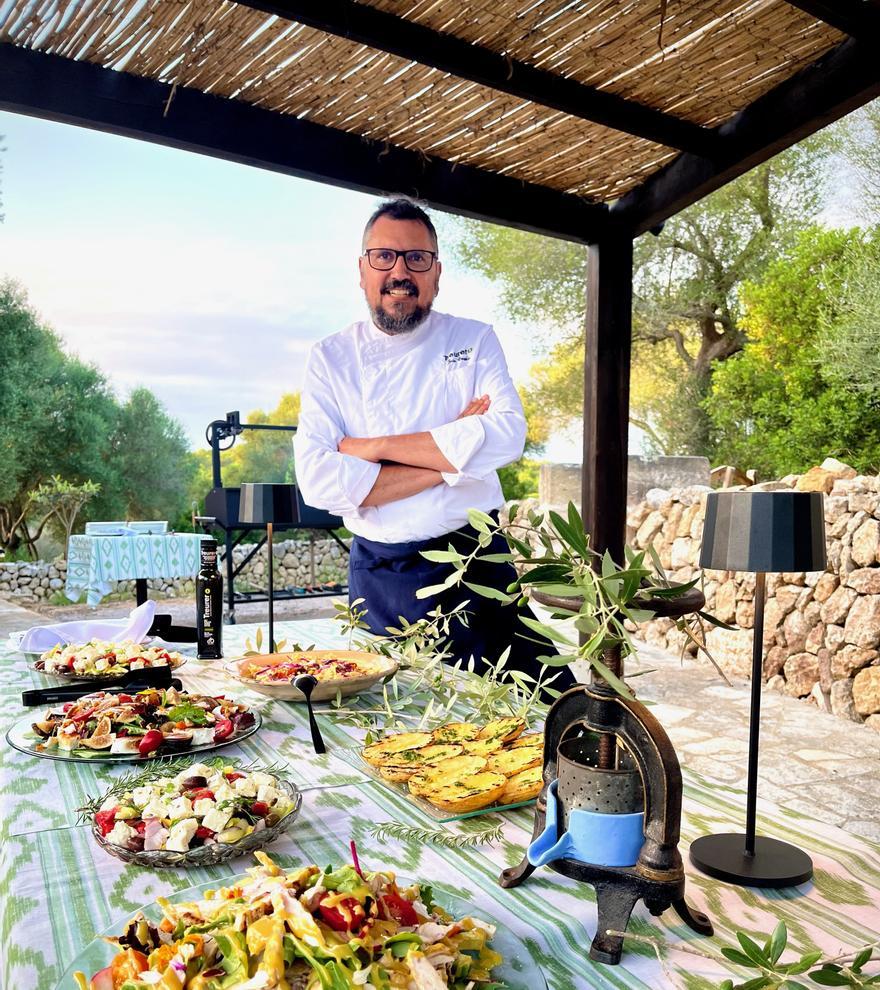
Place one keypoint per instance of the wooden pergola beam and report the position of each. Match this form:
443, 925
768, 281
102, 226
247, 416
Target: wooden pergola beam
841, 81
857, 18
72, 92
406, 39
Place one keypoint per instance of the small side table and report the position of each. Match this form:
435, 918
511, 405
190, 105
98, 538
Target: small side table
95, 563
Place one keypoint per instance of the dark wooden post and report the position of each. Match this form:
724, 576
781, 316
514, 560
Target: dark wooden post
606, 415
606, 392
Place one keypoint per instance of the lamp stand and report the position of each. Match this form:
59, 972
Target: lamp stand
750, 860
271, 591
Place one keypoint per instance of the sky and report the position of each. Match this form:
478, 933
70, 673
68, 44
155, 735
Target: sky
204, 280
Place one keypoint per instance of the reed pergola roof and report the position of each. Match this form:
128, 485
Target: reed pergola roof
562, 116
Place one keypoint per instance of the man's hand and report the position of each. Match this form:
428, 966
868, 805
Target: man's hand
476, 407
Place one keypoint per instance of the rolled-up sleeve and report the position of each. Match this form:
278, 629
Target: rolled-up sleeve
328, 479
479, 445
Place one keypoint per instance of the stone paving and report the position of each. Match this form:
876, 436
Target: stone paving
811, 761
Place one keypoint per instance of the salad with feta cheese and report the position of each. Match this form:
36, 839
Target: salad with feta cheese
306, 929
100, 659
180, 809
153, 722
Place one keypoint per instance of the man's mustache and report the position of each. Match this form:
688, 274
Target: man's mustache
400, 283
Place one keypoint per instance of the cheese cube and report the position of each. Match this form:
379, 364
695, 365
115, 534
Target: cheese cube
120, 834
203, 806
245, 787
216, 820
268, 794
180, 808
180, 835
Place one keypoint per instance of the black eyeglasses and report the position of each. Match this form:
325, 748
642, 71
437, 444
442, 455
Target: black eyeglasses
384, 259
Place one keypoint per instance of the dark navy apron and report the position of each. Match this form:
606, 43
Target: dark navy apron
388, 575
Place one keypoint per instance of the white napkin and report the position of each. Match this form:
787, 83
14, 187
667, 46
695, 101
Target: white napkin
41, 638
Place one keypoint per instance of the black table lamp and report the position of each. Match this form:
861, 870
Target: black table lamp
269, 506
760, 532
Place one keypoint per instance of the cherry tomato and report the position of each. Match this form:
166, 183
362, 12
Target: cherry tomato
400, 909
150, 742
204, 833
105, 820
139, 827
260, 808
336, 920
232, 775
125, 699
202, 792
223, 729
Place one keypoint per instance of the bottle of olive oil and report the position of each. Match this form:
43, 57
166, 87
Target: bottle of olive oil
209, 604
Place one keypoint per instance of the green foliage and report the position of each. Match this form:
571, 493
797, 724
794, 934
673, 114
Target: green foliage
776, 407
775, 975
491, 830
151, 459
687, 281
62, 501
849, 345
59, 417
520, 479
553, 556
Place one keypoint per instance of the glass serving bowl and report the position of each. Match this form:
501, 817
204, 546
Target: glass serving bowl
207, 855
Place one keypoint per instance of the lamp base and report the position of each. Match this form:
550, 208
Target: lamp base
774, 864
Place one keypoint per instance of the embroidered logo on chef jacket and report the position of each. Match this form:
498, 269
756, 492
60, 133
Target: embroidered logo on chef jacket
458, 357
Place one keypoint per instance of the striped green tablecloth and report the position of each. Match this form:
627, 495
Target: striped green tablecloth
59, 888
96, 563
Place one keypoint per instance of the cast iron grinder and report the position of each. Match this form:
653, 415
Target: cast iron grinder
609, 753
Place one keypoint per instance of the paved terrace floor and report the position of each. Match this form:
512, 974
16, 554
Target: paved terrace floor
811, 761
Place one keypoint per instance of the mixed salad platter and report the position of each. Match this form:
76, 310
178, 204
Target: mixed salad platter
461, 768
183, 813
342, 672
98, 660
118, 726
310, 929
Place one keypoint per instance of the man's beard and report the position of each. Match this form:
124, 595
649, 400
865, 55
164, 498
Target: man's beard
394, 325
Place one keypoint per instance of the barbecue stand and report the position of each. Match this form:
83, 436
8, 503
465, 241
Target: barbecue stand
222, 513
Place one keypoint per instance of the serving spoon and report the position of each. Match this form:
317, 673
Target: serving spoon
306, 684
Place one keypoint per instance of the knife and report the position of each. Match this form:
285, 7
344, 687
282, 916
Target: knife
134, 680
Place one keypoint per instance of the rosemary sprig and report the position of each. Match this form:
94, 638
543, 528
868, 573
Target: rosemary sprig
492, 832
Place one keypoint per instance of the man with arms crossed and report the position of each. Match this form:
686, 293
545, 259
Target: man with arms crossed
405, 419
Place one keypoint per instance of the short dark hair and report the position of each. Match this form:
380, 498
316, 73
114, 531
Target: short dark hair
400, 209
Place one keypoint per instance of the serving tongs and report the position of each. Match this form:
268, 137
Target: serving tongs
131, 681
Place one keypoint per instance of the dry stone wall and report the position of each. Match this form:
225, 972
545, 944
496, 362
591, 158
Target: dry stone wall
298, 563
821, 629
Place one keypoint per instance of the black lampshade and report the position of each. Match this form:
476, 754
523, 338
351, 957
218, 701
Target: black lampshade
764, 531
261, 504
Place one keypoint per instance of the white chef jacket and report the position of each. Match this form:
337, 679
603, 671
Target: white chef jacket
362, 382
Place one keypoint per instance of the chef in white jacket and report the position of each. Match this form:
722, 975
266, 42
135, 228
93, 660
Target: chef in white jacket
405, 419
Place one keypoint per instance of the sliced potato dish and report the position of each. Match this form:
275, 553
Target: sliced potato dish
456, 732
469, 794
451, 769
512, 761
378, 752
505, 729
523, 786
527, 739
461, 766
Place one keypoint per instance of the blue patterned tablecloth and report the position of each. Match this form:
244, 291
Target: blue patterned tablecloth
95, 563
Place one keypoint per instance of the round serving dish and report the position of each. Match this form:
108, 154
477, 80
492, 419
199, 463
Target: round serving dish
207, 855
177, 661
373, 668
